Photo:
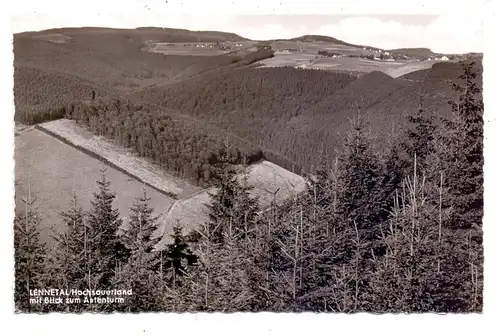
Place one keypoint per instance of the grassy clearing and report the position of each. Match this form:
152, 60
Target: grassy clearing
265, 177
117, 156
53, 170
189, 213
410, 67
283, 59
311, 61
305, 55
185, 51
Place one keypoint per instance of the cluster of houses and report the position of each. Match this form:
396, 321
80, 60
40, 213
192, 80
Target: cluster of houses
204, 45
386, 56
437, 58
289, 50
217, 45
377, 55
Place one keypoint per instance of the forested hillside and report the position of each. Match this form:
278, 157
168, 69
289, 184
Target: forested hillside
54, 90
394, 229
289, 114
148, 33
180, 145
61, 66
112, 61
300, 113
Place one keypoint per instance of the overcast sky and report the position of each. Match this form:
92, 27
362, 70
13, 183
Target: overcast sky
441, 25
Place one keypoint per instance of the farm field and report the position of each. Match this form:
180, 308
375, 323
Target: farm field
315, 46
312, 61
53, 169
119, 156
304, 54
282, 59
409, 68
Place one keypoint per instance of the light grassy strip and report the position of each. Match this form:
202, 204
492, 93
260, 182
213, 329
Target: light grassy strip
138, 168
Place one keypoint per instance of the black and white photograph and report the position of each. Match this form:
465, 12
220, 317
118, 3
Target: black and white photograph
259, 160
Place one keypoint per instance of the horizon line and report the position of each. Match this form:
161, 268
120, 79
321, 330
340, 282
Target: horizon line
228, 32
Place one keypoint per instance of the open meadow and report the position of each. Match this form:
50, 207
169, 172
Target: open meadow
118, 156
272, 182
344, 57
308, 60
53, 170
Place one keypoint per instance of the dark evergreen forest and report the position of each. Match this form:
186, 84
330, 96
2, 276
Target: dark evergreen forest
394, 228
176, 143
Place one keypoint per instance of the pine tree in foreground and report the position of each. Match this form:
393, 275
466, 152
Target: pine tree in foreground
177, 257
407, 277
69, 257
104, 222
219, 283
360, 191
420, 135
29, 256
463, 155
138, 275
68, 266
232, 203
427, 267
143, 222
140, 272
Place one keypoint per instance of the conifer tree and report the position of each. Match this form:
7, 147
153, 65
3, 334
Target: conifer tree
177, 256
29, 256
360, 177
141, 220
408, 276
321, 186
420, 135
69, 260
287, 250
220, 281
395, 167
140, 272
138, 275
104, 222
463, 158
231, 204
